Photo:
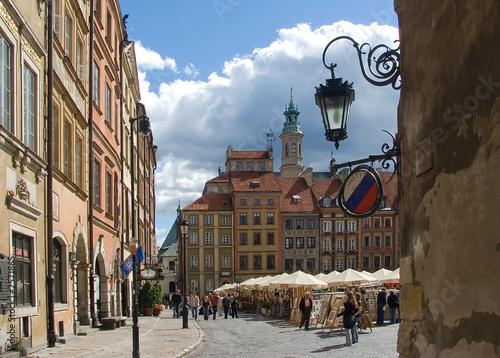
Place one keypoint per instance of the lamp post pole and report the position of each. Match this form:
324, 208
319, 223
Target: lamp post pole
184, 232
144, 128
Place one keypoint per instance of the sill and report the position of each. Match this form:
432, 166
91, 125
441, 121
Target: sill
97, 208
61, 306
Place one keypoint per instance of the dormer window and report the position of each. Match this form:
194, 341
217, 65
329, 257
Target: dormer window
296, 198
254, 184
326, 202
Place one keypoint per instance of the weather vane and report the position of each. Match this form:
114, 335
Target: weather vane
270, 138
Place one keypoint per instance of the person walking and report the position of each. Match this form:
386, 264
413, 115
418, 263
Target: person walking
357, 317
205, 304
234, 307
194, 303
350, 308
176, 302
226, 302
393, 303
381, 302
305, 307
214, 301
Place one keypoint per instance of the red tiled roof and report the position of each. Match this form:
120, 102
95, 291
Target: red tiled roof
211, 202
390, 189
224, 177
330, 187
250, 154
297, 186
242, 181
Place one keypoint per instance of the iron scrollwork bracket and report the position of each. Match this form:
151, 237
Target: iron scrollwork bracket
390, 156
382, 63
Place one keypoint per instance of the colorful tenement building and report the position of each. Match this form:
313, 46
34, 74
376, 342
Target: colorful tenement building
252, 222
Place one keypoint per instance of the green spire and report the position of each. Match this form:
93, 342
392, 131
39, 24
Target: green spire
291, 115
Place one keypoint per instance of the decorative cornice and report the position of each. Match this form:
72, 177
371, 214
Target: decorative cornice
31, 52
8, 19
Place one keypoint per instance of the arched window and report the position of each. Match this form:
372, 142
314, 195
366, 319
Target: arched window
294, 149
286, 150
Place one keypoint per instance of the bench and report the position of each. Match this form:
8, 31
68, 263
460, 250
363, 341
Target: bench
110, 323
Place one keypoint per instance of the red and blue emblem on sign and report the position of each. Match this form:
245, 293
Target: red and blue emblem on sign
361, 193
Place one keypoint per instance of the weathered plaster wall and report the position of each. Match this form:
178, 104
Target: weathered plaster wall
449, 119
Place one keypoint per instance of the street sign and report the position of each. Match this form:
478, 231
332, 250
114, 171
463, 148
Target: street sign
361, 193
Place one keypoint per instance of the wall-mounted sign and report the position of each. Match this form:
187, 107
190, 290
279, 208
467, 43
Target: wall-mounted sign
148, 274
361, 193
72, 256
225, 273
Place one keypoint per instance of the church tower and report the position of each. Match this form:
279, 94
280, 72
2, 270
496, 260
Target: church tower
291, 142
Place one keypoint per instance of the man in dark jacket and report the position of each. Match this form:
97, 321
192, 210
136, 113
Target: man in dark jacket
176, 301
305, 306
226, 302
393, 303
381, 302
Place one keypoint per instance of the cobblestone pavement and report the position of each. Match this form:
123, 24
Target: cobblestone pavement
160, 336
265, 337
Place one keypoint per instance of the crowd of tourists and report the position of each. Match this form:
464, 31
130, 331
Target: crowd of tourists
211, 305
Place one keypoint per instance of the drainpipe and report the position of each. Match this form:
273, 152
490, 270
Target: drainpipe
51, 334
91, 166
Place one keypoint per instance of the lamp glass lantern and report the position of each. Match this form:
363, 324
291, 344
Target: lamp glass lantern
334, 101
184, 228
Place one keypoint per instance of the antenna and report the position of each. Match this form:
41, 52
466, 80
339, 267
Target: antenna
270, 138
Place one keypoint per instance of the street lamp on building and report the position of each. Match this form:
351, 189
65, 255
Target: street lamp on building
184, 226
143, 128
334, 99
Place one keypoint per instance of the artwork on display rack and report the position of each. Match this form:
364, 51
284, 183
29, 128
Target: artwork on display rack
333, 320
324, 308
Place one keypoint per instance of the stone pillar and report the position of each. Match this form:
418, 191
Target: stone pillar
448, 118
83, 294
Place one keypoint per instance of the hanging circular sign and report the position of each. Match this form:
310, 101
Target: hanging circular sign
361, 192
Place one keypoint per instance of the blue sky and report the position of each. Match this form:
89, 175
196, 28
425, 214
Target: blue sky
215, 73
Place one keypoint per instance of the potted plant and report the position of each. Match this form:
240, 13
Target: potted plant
150, 296
265, 306
157, 310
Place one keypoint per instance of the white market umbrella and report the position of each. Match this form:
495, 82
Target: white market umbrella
382, 273
298, 279
330, 276
393, 277
264, 282
351, 277
248, 283
320, 275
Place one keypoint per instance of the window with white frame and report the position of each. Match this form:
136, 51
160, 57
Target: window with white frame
225, 261
366, 222
194, 285
351, 226
209, 283
107, 118
327, 264
96, 86
67, 149
68, 36
351, 244
327, 226
340, 244
193, 220
208, 220
193, 238
388, 241
225, 240
209, 261
193, 261
388, 222
326, 202
351, 262
30, 125
339, 226
339, 264
225, 221
5, 84
326, 245
209, 238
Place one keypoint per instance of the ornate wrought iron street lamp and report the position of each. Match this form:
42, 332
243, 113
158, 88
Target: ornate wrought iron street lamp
184, 233
335, 98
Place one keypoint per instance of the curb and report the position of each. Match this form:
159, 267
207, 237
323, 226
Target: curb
195, 345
